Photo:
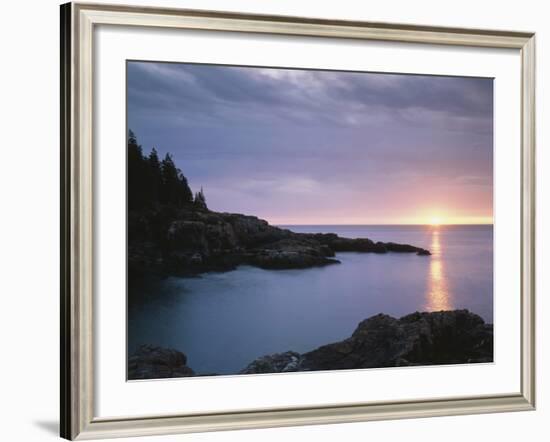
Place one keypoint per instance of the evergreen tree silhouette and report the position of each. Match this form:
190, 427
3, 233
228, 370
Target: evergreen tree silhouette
200, 199
152, 182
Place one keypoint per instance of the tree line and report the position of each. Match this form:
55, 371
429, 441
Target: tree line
152, 181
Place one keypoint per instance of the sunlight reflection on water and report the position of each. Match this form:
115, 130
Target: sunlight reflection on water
438, 296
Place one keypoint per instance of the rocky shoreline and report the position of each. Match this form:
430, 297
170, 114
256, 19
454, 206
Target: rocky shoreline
167, 240
427, 338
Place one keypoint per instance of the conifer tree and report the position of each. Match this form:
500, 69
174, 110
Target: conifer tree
154, 178
151, 181
200, 199
135, 172
175, 188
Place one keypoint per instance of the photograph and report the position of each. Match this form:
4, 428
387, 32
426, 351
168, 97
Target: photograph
284, 220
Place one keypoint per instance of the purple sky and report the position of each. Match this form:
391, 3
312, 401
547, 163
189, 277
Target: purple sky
322, 147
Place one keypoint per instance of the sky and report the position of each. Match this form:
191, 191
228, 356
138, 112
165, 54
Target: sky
322, 147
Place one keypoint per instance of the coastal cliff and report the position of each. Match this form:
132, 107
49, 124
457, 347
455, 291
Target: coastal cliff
428, 338
191, 240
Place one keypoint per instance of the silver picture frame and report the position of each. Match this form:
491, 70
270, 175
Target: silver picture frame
78, 21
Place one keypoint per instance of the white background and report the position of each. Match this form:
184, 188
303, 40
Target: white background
29, 221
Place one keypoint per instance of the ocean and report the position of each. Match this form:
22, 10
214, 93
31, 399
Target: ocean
223, 321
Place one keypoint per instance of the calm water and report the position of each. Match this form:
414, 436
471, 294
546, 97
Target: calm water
223, 321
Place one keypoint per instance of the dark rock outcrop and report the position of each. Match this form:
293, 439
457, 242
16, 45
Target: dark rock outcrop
436, 338
423, 252
291, 253
150, 362
275, 363
446, 337
184, 241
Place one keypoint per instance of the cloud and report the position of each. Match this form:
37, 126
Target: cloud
287, 184
287, 96
473, 180
276, 140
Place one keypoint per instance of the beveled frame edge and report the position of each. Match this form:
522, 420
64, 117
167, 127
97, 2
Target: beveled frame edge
65, 218
77, 23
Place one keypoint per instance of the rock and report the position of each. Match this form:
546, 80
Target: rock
293, 253
365, 245
252, 231
149, 362
403, 248
196, 259
221, 236
326, 250
282, 259
276, 363
185, 234
446, 337
165, 240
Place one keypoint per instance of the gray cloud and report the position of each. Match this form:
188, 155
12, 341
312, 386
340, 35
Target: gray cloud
257, 137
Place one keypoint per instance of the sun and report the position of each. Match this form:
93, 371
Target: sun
435, 221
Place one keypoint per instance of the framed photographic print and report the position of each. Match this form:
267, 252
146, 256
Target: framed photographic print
272, 220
